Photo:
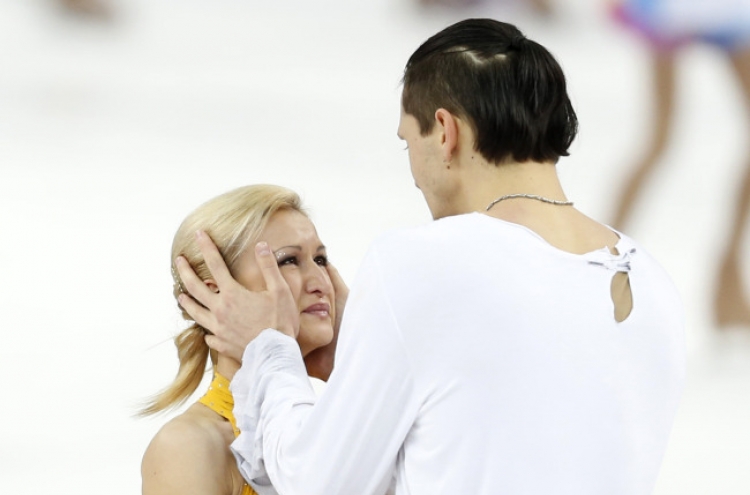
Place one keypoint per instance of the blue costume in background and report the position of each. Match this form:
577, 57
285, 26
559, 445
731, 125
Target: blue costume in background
668, 24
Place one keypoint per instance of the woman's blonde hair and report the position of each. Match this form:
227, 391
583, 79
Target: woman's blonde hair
234, 221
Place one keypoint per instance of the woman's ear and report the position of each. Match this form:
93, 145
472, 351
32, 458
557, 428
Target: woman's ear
448, 126
212, 285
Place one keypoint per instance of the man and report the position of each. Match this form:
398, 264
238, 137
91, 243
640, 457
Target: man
512, 346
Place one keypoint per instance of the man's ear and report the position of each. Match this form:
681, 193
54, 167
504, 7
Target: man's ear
448, 126
212, 285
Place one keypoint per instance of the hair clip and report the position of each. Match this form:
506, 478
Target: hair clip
177, 280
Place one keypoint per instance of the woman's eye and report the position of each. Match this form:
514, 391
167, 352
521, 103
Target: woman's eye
321, 260
289, 260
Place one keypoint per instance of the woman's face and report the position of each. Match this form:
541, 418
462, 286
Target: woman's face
302, 261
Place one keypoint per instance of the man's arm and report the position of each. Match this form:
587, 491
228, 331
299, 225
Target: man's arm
348, 440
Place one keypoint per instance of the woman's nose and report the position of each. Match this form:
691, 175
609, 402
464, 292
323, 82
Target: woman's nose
316, 281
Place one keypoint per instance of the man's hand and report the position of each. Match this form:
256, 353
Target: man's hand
319, 362
234, 314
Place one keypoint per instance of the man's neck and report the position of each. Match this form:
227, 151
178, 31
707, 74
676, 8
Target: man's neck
486, 182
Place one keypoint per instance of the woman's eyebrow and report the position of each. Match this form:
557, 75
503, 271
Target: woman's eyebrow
287, 247
320, 248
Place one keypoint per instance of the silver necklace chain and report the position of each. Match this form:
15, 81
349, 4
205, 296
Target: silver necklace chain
529, 196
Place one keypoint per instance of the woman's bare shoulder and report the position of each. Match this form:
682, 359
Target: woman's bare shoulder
189, 454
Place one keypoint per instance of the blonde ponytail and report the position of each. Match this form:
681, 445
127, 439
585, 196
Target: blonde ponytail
192, 352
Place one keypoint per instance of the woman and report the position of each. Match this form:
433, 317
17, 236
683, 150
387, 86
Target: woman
190, 453
669, 26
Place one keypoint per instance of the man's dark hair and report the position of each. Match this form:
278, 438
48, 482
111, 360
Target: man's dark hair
508, 88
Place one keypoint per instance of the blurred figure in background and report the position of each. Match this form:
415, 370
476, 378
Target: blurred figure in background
98, 9
668, 26
542, 7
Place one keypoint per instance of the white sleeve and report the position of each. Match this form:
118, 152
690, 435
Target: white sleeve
347, 441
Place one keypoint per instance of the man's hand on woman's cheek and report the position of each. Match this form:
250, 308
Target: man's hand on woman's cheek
233, 314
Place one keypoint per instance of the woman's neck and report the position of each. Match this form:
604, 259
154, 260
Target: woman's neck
226, 366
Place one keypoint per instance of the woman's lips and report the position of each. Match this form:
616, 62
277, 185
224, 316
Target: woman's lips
320, 309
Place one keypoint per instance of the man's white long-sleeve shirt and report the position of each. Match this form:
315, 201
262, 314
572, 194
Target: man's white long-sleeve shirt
475, 358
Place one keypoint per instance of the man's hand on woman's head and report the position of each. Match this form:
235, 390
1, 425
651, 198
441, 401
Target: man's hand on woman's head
235, 315
341, 292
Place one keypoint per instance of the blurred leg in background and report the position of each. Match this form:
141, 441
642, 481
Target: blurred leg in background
731, 303
542, 7
668, 27
663, 87
95, 9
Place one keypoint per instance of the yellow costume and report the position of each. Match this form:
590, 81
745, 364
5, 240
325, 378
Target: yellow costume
219, 399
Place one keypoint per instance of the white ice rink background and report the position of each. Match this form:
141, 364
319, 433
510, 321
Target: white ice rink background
111, 133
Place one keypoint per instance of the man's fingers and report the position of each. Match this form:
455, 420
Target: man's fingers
333, 272
269, 268
336, 280
214, 260
287, 316
339, 286
192, 284
198, 313
222, 347
215, 343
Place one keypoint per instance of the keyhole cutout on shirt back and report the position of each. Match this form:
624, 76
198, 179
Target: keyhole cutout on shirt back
622, 295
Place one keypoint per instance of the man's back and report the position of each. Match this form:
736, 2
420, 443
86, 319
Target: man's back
524, 380
474, 357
